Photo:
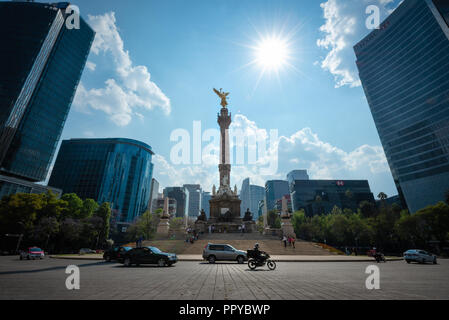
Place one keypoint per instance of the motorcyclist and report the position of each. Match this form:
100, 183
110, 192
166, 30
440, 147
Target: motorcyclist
257, 252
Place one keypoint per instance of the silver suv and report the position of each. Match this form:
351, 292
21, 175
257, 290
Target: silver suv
223, 252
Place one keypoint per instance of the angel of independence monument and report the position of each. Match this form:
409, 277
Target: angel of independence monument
225, 203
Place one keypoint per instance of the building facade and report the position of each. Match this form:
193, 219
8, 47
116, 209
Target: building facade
41, 62
251, 195
205, 197
275, 190
297, 175
193, 199
320, 196
179, 194
118, 171
403, 67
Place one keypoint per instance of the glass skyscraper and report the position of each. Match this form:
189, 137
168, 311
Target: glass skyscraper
179, 194
118, 171
275, 190
41, 61
250, 196
404, 68
193, 199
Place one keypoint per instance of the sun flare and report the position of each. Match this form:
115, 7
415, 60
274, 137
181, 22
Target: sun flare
272, 53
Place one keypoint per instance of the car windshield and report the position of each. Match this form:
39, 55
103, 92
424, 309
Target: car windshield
127, 248
35, 249
155, 250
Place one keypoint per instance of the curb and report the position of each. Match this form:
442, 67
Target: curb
276, 260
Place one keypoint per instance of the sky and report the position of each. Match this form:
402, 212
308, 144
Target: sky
153, 66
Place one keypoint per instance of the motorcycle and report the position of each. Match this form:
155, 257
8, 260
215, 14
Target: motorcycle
379, 257
259, 260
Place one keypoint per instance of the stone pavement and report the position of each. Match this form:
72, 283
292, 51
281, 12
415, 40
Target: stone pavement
286, 258
45, 279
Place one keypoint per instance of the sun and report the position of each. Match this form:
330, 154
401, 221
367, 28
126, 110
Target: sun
272, 53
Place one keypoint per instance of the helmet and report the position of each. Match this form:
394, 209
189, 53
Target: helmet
256, 246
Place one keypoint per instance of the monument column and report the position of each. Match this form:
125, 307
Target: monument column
224, 121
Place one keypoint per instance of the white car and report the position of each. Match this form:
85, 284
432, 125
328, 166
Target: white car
420, 256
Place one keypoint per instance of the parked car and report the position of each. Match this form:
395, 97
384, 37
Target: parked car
32, 253
86, 251
148, 255
420, 256
115, 253
223, 252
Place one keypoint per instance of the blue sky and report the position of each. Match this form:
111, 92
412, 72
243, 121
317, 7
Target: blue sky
154, 63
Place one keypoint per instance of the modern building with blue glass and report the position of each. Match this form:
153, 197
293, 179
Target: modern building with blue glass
275, 190
404, 68
41, 61
180, 195
118, 171
250, 195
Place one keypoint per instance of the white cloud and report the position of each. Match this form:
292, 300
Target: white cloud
302, 150
344, 27
91, 66
130, 89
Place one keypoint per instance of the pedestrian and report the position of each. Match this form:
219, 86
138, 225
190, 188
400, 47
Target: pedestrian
293, 242
243, 228
284, 239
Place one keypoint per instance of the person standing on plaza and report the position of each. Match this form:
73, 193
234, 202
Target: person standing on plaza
284, 239
293, 242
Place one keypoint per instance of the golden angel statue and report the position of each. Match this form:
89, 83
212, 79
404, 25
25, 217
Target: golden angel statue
223, 96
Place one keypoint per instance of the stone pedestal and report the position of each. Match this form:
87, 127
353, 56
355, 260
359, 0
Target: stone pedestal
163, 227
201, 226
225, 208
286, 226
250, 226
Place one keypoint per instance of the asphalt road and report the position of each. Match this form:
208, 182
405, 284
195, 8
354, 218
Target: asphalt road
45, 279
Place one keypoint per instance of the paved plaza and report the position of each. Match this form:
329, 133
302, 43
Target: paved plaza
45, 279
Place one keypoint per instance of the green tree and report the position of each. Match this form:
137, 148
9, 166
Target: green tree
19, 212
88, 209
104, 213
367, 209
46, 228
74, 206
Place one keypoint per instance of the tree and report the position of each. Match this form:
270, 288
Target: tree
367, 209
273, 219
88, 209
19, 212
45, 229
104, 213
74, 206
176, 223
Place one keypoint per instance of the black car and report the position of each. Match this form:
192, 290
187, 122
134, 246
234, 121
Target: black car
115, 253
148, 255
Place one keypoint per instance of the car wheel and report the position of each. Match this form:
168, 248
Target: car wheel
423, 261
212, 259
108, 258
21, 258
28, 257
161, 263
127, 262
408, 261
435, 260
240, 260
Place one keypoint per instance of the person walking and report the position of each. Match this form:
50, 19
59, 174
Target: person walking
284, 239
293, 242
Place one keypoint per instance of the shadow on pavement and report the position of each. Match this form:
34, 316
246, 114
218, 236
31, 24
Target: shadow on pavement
51, 268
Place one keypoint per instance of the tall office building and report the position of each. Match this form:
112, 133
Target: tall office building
275, 190
404, 69
118, 171
41, 61
250, 196
154, 195
193, 199
318, 197
205, 197
297, 175
179, 194
244, 197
